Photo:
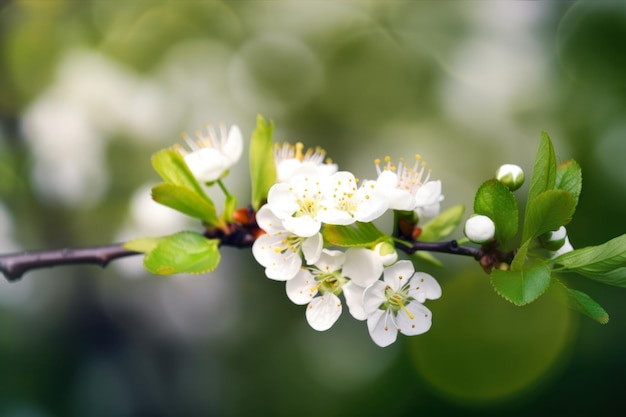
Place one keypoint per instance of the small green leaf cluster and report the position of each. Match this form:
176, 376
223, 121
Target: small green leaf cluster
550, 204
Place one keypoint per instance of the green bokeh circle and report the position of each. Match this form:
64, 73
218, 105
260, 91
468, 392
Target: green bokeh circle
482, 349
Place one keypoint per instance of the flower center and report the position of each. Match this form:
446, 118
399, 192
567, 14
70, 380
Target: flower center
397, 300
329, 282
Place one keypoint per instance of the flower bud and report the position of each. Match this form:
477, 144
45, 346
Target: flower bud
554, 240
386, 252
479, 229
510, 175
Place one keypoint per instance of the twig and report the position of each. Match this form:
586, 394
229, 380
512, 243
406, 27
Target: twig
14, 265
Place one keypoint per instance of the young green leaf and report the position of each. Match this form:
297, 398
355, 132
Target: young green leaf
544, 170
581, 302
262, 165
496, 201
548, 211
521, 287
183, 252
143, 245
569, 178
442, 225
358, 234
171, 166
186, 201
605, 263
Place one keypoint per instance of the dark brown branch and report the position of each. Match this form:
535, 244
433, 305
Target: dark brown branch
14, 265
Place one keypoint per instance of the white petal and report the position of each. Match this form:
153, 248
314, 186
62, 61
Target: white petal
398, 274
322, 312
331, 215
330, 260
363, 266
312, 248
420, 321
429, 211
206, 164
282, 201
397, 199
371, 203
233, 147
428, 194
381, 328
354, 300
285, 169
267, 220
303, 226
374, 297
423, 286
302, 288
280, 264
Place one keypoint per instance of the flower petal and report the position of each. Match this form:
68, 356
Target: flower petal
363, 266
398, 199
381, 328
423, 286
282, 201
354, 300
302, 288
330, 260
280, 263
303, 226
267, 220
233, 147
398, 274
312, 248
419, 322
374, 297
322, 312
206, 164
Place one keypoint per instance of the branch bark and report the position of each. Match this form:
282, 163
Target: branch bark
14, 265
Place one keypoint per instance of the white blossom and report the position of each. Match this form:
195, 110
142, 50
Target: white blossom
345, 203
297, 204
336, 272
409, 188
281, 251
212, 154
395, 304
290, 161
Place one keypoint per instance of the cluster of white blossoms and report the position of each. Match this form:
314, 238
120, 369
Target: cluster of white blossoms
311, 192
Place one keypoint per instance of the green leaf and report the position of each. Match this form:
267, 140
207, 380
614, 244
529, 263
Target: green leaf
605, 263
427, 258
358, 234
183, 252
584, 304
262, 165
521, 287
569, 178
495, 200
171, 166
520, 257
544, 170
548, 211
143, 245
442, 225
186, 201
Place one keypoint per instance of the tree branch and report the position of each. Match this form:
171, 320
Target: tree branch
14, 265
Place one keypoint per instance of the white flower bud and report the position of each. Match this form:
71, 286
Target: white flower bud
554, 240
386, 252
479, 229
510, 175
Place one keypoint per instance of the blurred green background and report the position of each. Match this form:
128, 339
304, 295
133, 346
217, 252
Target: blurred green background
90, 89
